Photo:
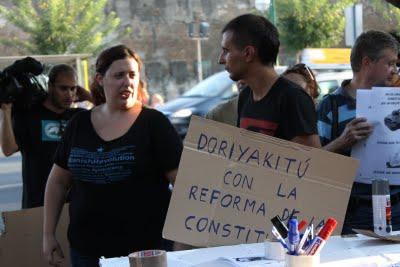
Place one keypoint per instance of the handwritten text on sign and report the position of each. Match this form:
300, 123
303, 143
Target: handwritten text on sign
231, 184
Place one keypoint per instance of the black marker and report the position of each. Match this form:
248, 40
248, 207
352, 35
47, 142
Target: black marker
280, 226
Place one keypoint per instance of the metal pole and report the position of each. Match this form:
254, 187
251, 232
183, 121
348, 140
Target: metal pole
199, 63
272, 12
78, 63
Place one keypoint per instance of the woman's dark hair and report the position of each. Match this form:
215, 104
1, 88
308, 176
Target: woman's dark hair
308, 76
103, 63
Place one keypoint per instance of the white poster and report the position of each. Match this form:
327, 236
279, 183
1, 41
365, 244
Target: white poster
379, 154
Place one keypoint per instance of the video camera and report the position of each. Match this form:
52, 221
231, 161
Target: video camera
20, 83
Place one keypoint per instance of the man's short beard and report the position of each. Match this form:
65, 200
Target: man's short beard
234, 78
55, 102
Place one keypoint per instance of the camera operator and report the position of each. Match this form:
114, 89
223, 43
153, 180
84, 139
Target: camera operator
36, 131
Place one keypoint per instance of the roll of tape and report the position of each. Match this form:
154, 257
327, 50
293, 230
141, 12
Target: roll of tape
274, 250
148, 258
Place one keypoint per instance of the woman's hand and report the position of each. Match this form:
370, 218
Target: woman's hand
52, 250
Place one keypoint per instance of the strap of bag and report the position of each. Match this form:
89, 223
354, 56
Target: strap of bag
335, 117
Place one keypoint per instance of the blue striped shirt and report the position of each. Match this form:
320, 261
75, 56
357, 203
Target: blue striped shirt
346, 112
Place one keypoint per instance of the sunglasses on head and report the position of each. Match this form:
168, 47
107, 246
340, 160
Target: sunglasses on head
304, 67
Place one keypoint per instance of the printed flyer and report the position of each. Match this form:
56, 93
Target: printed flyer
379, 155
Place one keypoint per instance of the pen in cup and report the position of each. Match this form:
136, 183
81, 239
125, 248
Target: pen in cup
279, 237
293, 236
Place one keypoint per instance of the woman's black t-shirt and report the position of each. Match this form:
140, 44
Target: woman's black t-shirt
119, 195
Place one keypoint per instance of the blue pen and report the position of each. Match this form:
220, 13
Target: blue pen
293, 236
279, 237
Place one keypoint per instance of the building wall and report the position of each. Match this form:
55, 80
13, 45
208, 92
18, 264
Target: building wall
160, 35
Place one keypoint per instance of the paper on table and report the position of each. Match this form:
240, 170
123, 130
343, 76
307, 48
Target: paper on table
394, 237
253, 261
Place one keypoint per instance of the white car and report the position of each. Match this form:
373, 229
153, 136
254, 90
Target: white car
330, 81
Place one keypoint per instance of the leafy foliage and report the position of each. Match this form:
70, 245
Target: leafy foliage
61, 26
389, 13
311, 23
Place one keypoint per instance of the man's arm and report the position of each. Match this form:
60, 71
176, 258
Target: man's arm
308, 140
7, 139
356, 130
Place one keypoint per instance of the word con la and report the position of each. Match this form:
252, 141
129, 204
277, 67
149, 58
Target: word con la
247, 154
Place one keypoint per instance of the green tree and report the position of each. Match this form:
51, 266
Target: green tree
389, 13
310, 23
61, 26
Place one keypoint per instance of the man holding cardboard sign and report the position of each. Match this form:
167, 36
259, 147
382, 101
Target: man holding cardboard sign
269, 104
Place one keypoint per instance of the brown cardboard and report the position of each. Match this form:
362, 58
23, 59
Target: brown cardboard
317, 192
21, 241
393, 238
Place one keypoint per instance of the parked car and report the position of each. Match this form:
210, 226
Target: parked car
199, 100
219, 88
330, 81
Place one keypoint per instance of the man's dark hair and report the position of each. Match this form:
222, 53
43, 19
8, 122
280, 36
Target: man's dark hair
257, 31
60, 69
396, 36
371, 44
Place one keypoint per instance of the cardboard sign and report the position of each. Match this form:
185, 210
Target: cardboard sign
231, 182
21, 242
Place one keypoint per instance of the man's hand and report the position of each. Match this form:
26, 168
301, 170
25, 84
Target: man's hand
356, 130
6, 108
52, 251
7, 139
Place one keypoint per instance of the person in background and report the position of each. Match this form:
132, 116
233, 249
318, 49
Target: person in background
302, 75
36, 131
227, 112
156, 100
373, 62
269, 104
117, 160
396, 77
143, 94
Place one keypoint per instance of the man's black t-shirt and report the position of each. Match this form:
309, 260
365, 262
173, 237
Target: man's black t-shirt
120, 194
37, 132
285, 112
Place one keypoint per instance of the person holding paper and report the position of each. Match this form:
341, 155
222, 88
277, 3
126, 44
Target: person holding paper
117, 160
373, 62
270, 104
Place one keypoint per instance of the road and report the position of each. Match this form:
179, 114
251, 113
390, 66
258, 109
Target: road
10, 184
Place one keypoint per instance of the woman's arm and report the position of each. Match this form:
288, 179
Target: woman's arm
58, 184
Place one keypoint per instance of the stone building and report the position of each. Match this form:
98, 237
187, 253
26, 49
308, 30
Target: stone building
160, 35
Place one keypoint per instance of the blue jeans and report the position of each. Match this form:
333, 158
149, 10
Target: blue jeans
359, 210
81, 260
